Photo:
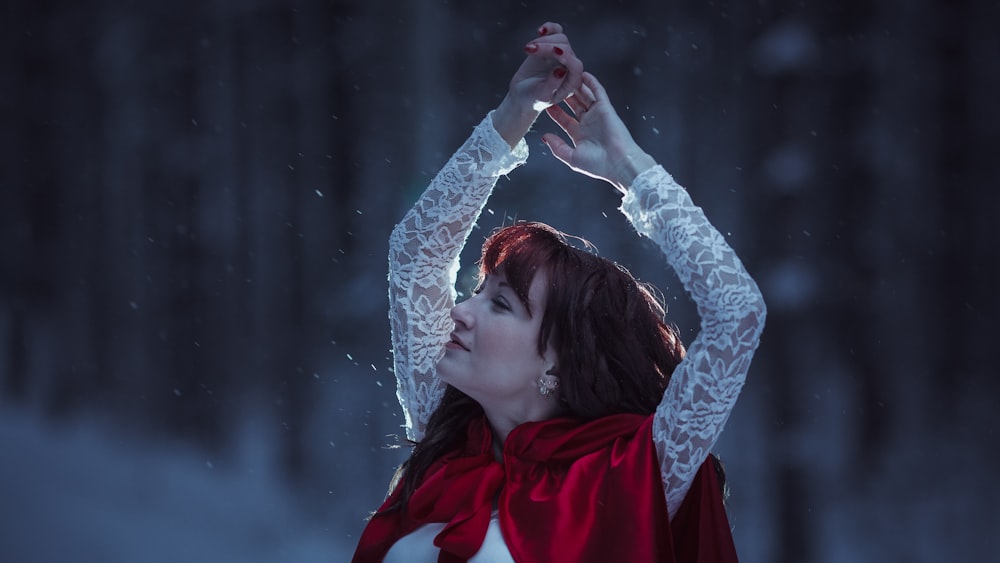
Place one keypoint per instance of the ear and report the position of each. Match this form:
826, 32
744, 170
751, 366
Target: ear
551, 371
551, 359
548, 383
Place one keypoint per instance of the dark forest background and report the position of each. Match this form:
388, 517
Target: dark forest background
195, 200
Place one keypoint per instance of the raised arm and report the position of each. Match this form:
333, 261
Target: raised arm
424, 251
704, 386
424, 247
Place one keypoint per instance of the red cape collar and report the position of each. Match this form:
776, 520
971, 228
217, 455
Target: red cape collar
567, 490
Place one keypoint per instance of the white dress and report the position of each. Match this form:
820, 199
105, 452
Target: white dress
424, 250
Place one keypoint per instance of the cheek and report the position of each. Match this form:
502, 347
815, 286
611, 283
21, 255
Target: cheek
521, 343
510, 341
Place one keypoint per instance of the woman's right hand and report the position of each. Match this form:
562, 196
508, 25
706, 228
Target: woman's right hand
549, 73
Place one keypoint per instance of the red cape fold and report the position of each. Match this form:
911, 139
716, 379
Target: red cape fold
568, 491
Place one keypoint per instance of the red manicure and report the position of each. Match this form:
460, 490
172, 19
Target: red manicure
559, 72
543, 30
557, 50
530, 48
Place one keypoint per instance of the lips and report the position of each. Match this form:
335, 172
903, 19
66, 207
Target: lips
458, 342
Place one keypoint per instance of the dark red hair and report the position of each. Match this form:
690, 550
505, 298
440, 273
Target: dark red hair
614, 351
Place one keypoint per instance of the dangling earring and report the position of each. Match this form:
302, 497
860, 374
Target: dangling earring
547, 387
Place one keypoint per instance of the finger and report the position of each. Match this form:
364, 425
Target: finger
555, 53
549, 28
598, 91
551, 39
585, 95
555, 47
577, 103
564, 120
581, 100
560, 148
574, 77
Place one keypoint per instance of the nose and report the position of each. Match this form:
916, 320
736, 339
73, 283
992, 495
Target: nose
462, 315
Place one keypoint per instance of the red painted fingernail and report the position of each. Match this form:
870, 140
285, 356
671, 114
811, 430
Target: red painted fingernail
559, 72
543, 30
557, 50
530, 48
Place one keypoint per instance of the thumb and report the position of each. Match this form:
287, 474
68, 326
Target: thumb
560, 148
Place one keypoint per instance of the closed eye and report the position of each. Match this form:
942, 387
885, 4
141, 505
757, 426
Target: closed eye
501, 303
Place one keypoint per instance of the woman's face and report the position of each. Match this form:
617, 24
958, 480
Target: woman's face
493, 353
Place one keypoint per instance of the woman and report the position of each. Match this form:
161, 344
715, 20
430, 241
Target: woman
555, 416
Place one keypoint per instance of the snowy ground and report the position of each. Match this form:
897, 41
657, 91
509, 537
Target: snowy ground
74, 494
82, 492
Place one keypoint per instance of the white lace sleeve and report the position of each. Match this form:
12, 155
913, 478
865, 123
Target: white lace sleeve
424, 250
704, 386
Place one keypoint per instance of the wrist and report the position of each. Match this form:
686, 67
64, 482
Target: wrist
628, 168
513, 122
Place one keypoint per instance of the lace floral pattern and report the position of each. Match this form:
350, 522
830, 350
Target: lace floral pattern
423, 263
704, 386
424, 249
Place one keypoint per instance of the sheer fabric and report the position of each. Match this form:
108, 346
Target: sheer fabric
704, 386
424, 249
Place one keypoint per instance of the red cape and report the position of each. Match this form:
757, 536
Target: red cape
569, 491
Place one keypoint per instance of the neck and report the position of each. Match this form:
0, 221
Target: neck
498, 447
501, 424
